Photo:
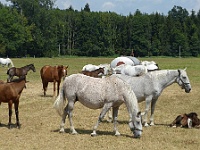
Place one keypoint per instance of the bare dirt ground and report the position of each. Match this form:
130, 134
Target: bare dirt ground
40, 123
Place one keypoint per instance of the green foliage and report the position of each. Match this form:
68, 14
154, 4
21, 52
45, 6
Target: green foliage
36, 28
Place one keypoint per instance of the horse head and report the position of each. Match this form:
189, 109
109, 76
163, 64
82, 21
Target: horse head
101, 70
136, 125
63, 70
183, 80
32, 67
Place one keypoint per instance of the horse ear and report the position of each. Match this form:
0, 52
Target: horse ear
185, 68
67, 66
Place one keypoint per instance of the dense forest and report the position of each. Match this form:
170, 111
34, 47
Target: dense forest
37, 28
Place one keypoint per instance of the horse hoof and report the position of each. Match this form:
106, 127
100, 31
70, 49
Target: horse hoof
152, 124
117, 134
74, 133
146, 125
93, 134
62, 131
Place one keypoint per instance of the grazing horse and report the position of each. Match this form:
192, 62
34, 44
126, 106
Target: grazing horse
6, 62
20, 72
150, 86
96, 93
10, 93
186, 120
52, 74
95, 73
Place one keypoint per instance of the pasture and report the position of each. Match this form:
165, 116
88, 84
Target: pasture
40, 123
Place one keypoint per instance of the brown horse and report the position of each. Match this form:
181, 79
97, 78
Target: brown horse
94, 73
186, 121
10, 93
52, 74
20, 72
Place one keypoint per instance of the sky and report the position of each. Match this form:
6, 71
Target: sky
125, 7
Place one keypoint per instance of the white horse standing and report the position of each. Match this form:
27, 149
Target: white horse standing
98, 93
150, 86
130, 70
6, 62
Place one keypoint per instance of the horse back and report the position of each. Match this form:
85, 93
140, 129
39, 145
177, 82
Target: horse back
90, 89
49, 73
11, 90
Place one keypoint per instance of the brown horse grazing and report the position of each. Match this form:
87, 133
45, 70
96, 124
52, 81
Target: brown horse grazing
186, 121
20, 72
94, 73
10, 93
52, 74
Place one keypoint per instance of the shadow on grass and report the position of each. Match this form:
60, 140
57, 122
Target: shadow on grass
88, 132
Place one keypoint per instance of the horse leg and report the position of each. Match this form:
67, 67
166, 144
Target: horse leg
58, 87
109, 114
105, 109
45, 85
54, 88
9, 78
148, 101
153, 104
65, 113
10, 113
115, 114
69, 112
17, 114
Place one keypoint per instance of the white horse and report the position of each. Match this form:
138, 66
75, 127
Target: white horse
150, 86
130, 70
107, 69
96, 93
151, 65
6, 62
91, 67
121, 60
145, 62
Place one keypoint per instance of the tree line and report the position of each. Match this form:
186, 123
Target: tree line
37, 28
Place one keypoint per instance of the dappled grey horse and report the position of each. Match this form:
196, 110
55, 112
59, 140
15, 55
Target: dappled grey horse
96, 93
150, 86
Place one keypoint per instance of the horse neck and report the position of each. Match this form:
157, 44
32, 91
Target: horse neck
166, 77
19, 86
131, 103
27, 68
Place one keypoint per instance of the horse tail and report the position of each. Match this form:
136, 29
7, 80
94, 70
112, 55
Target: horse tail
11, 63
60, 102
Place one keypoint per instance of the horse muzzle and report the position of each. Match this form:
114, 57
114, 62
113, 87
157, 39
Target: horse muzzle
187, 90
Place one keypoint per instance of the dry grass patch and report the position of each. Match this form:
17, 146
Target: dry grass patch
40, 122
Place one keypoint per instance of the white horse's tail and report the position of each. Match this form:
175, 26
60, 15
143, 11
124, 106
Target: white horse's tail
59, 103
11, 63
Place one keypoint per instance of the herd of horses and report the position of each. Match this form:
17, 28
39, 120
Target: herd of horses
101, 87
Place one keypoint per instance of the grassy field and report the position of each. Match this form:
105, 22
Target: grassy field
40, 122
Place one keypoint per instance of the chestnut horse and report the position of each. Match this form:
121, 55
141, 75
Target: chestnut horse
95, 73
52, 74
10, 93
